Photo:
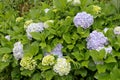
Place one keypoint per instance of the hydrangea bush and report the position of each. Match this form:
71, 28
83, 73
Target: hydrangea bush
59, 40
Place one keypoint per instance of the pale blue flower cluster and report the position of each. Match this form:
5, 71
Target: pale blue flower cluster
34, 27
57, 51
18, 50
96, 40
83, 20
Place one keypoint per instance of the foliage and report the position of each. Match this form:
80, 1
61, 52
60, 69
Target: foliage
85, 64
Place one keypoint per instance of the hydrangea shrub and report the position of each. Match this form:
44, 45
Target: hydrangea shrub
59, 40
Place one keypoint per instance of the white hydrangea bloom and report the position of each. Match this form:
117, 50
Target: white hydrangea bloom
47, 23
34, 27
117, 30
18, 50
62, 67
96, 40
83, 20
46, 10
7, 37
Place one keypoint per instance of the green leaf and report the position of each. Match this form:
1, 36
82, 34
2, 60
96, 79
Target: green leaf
32, 49
102, 76
79, 30
15, 74
85, 63
36, 76
3, 65
48, 75
26, 72
79, 56
91, 65
83, 72
70, 46
114, 75
43, 45
101, 68
38, 57
110, 59
36, 35
43, 68
67, 38
5, 50
60, 4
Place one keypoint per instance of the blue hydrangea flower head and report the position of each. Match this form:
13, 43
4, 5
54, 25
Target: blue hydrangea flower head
83, 20
96, 40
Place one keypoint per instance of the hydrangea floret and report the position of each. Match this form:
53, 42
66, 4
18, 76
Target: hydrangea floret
62, 67
107, 49
7, 37
34, 27
95, 40
117, 30
48, 23
28, 63
18, 50
48, 60
83, 20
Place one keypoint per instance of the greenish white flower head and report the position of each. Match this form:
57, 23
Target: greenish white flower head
7, 37
62, 67
34, 27
27, 23
28, 63
48, 60
47, 23
83, 20
117, 30
18, 19
18, 50
5, 57
96, 9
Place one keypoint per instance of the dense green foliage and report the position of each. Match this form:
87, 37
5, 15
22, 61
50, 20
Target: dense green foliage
61, 31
